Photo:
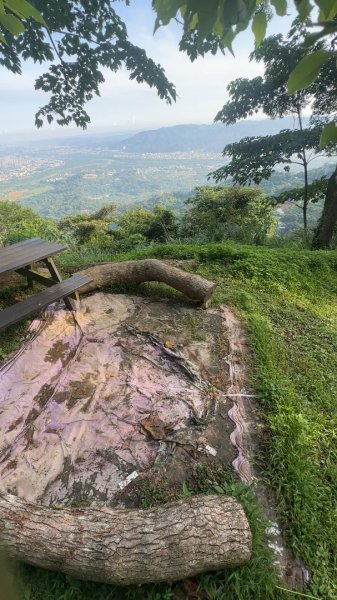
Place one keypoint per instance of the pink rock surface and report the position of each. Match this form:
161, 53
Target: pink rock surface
73, 400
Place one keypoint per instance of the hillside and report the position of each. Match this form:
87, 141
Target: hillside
287, 300
198, 138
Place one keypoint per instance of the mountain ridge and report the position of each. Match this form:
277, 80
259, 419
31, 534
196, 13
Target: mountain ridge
198, 138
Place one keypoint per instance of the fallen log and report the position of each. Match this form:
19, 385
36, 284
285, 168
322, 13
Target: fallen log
166, 543
139, 271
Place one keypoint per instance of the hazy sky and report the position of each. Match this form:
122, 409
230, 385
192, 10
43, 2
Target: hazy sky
125, 104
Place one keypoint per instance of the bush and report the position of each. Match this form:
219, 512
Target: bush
222, 212
19, 223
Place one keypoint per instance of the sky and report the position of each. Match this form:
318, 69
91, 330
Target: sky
127, 105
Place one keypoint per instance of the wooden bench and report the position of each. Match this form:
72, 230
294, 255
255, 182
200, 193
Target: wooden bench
19, 258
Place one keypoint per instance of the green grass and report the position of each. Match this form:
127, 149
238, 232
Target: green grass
11, 338
288, 300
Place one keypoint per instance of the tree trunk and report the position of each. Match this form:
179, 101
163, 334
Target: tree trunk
138, 271
327, 223
167, 543
306, 183
305, 199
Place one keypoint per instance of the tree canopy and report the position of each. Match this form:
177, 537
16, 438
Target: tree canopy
221, 21
81, 38
78, 39
254, 158
19, 223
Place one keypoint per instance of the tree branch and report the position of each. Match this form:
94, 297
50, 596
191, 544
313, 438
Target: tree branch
55, 48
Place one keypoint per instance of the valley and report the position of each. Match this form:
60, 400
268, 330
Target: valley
64, 176
66, 180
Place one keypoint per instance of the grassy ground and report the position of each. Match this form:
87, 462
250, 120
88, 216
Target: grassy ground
288, 301
10, 339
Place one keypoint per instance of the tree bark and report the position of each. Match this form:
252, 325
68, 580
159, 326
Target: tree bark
167, 543
139, 271
305, 198
327, 223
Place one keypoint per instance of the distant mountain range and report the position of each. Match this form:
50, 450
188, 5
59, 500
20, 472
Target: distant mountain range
197, 138
178, 138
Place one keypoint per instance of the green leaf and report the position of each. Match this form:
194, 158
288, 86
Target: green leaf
208, 16
193, 22
12, 23
3, 40
328, 8
306, 70
218, 29
166, 10
328, 135
303, 8
227, 40
157, 24
26, 10
259, 27
234, 12
183, 10
280, 6
185, 491
219, 489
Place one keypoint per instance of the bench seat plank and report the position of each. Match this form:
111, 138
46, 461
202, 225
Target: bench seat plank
25, 253
37, 302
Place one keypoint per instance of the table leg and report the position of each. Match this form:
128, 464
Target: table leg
30, 280
53, 270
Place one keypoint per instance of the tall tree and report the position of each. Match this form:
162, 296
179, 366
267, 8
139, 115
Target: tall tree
78, 39
214, 25
327, 224
254, 158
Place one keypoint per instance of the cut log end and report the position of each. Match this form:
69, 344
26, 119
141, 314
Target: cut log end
193, 286
167, 543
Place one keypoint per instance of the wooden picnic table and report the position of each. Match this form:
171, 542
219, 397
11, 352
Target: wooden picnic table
19, 258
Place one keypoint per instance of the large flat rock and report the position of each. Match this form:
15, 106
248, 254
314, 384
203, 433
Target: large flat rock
130, 386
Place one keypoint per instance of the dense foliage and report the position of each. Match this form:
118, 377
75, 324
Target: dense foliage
18, 223
218, 213
213, 213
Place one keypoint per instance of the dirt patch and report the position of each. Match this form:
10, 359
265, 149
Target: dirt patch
58, 351
43, 396
15, 195
81, 389
245, 438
